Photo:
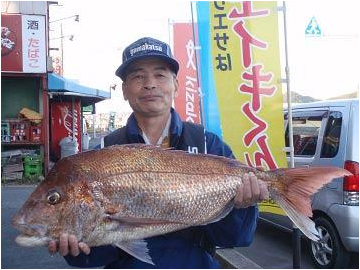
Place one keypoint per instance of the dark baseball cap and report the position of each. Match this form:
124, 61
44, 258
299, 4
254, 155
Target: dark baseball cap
146, 47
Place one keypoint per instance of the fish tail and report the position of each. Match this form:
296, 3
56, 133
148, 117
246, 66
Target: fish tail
293, 192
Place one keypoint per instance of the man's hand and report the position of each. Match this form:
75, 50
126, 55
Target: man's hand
251, 191
68, 244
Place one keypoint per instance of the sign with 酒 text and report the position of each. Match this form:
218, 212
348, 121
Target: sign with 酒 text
23, 43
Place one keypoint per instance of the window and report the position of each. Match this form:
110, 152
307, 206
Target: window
306, 130
331, 140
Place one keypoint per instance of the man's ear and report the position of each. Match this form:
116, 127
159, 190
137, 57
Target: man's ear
176, 86
123, 86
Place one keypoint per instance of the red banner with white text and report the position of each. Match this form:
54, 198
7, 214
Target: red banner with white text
187, 100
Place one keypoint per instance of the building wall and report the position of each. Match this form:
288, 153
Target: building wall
24, 7
19, 92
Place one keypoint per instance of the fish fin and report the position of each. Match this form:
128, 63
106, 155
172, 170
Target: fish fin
305, 224
137, 249
130, 145
298, 184
138, 146
155, 147
147, 147
294, 189
223, 213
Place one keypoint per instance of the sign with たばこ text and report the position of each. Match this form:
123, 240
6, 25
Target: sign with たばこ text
23, 43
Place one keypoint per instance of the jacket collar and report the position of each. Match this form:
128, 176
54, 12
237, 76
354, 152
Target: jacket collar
134, 133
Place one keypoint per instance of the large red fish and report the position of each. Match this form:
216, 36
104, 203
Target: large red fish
121, 195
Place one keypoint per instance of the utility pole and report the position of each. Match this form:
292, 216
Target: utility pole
296, 235
62, 49
71, 37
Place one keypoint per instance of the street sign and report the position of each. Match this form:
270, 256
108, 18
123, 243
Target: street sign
90, 109
313, 29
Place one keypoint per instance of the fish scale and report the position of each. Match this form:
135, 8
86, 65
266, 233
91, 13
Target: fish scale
148, 192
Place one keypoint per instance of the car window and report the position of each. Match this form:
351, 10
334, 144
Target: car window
305, 134
331, 140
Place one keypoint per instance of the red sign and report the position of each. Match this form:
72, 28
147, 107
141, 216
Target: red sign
11, 42
23, 43
57, 65
62, 119
187, 101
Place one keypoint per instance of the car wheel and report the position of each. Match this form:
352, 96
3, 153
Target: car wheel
329, 251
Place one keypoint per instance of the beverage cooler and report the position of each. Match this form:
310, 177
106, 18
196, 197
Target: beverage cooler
65, 132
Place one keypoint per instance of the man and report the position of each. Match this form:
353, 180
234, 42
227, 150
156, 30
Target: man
149, 85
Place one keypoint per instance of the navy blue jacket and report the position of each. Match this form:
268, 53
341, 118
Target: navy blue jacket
179, 249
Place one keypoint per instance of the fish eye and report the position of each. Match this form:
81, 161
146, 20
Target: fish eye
53, 197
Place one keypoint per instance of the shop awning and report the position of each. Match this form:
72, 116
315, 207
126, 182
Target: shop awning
67, 89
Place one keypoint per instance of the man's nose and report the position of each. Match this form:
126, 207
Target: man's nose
149, 82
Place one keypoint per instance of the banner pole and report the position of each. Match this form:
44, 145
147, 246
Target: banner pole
296, 236
202, 118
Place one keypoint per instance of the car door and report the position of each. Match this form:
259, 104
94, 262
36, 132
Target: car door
319, 136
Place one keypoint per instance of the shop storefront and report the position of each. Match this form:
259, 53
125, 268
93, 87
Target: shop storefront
38, 108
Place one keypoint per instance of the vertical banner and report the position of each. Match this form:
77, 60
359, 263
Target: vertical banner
243, 47
23, 43
187, 101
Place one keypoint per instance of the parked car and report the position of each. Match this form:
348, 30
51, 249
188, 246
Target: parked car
327, 133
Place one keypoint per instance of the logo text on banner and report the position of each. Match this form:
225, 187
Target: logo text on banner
187, 101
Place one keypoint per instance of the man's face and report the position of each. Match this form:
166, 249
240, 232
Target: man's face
150, 87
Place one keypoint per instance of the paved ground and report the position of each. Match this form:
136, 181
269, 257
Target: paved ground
12, 255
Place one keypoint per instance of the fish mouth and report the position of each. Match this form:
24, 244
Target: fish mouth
32, 229
32, 235
32, 240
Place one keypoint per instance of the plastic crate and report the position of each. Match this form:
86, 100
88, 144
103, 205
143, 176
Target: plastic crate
5, 128
33, 158
19, 130
32, 170
11, 160
5, 132
9, 168
13, 176
6, 138
35, 132
29, 152
33, 165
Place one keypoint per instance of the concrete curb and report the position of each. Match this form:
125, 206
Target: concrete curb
229, 258
19, 185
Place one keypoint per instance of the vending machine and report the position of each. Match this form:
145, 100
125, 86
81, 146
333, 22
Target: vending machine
65, 137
